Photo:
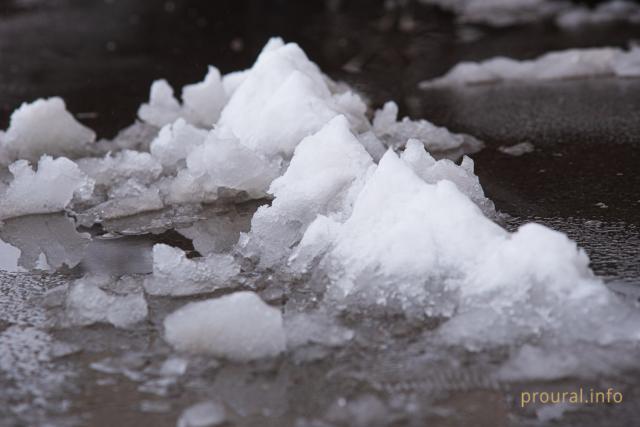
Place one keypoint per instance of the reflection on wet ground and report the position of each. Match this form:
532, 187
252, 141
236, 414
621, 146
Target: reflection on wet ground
581, 179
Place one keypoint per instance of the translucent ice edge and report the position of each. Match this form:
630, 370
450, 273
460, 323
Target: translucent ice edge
566, 64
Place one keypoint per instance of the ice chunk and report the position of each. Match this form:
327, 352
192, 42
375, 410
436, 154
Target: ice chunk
175, 141
437, 140
87, 304
9, 256
571, 63
282, 99
205, 414
49, 189
175, 274
114, 169
53, 236
316, 328
426, 249
324, 176
202, 102
238, 326
46, 127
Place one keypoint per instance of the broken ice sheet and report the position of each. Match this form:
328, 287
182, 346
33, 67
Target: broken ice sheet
53, 236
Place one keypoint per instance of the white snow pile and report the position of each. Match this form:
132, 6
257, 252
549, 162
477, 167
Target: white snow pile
566, 64
50, 188
566, 15
238, 326
44, 127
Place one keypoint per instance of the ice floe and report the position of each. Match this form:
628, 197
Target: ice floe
566, 64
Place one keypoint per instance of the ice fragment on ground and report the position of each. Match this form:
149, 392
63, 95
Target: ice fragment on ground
325, 174
48, 189
175, 274
204, 414
114, 169
45, 127
517, 149
437, 140
571, 63
239, 326
87, 304
9, 256
316, 328
53, 236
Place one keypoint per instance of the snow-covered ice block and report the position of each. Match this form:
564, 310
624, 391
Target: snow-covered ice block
49, 189
45, 127
427, 249
437, 140
283, 98
239, 326
87, 304
565, 64
201, 106
324, 176
217, 234
175, 274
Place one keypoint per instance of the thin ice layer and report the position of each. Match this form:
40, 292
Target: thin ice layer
49, 189
239, 326
45, 127
571, 63
175, 274
427, 249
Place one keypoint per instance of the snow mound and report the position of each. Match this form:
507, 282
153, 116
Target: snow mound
566, 64
45, 127
175, 274
49, 189
426, 249
239, 326
603, 13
